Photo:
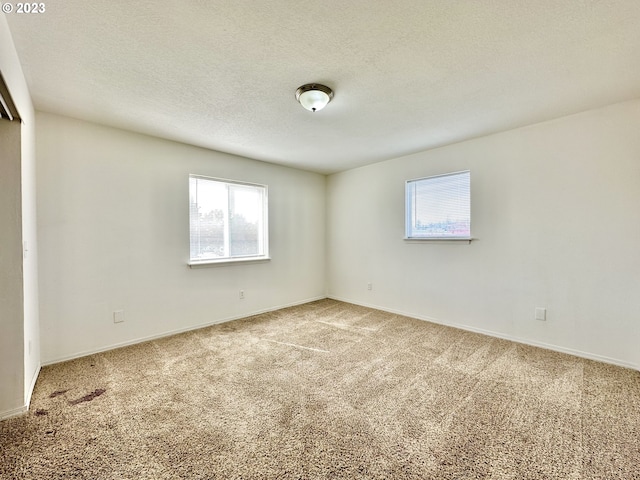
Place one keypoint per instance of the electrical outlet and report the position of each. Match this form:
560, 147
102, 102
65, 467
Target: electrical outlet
541, 314
241, 295
118, 316
369, 286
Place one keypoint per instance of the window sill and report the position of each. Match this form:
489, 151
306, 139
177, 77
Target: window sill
228, 261
439, 240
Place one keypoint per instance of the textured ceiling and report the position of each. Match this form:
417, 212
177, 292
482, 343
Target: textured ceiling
408, 75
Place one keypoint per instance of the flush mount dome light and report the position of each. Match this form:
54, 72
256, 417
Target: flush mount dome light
314, 96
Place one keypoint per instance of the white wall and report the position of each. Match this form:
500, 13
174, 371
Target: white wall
114, 234
30, 257
20, 364
556, 214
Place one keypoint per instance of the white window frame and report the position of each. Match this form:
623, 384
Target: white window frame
263, 222
411, 231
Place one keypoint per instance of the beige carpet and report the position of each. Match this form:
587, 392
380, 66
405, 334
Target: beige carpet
328, 390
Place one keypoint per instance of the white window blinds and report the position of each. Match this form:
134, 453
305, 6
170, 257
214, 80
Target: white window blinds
439, 207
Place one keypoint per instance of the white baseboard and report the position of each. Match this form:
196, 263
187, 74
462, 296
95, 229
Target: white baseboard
24, 408
13, 412
173, 332
533, 343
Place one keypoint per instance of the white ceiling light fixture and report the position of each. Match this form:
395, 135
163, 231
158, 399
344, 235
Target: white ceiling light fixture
314, 96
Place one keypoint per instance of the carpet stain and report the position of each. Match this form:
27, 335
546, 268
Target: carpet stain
57, 393
88, 397
41, 411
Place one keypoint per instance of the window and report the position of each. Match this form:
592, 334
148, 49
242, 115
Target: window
227, 221
439, 207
